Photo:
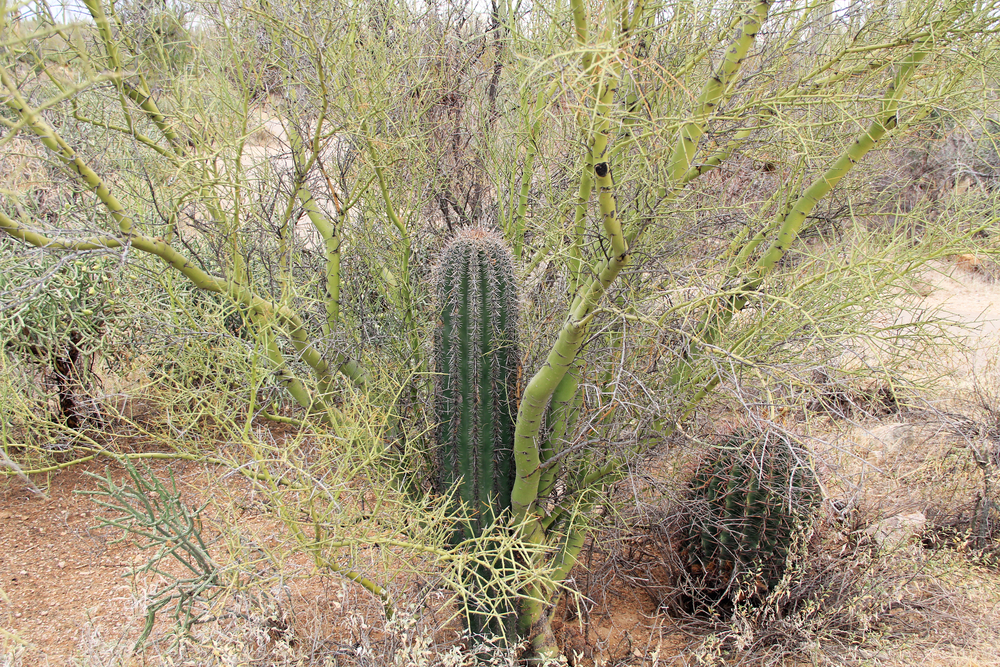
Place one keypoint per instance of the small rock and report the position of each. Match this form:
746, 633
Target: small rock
61, 564
17, 614
895, 436
894, 531
969, 263
45, 613
5, 515
24, 573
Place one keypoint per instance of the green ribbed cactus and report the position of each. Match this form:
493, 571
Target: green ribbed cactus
749, 501
477, 364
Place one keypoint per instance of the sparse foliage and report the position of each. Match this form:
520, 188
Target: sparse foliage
686, 187
145, 508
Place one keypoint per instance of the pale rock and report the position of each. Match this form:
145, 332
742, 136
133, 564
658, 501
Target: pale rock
896, 530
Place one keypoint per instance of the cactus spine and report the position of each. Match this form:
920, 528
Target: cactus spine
477, 365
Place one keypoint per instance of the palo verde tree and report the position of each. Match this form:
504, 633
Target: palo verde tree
652, 166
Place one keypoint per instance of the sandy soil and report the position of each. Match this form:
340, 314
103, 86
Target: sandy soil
64, 580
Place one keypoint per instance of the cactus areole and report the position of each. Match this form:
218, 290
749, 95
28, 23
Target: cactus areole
477, 363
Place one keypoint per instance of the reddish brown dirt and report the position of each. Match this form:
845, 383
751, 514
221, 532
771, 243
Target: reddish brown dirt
66, 582
64, 579
69, 592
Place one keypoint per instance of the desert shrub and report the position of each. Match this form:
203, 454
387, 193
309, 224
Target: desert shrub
970, 522
157, 36
838, 605
620, 151
849, 586
57, 314
946, 159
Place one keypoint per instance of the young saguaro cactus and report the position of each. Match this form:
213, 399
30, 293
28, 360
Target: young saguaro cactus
477, 364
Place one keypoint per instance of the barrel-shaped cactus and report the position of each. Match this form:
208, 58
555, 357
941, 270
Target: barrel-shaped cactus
749, 501
477, 363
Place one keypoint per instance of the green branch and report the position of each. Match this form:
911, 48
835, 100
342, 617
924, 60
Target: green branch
714, 91
721, 313
417, 362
